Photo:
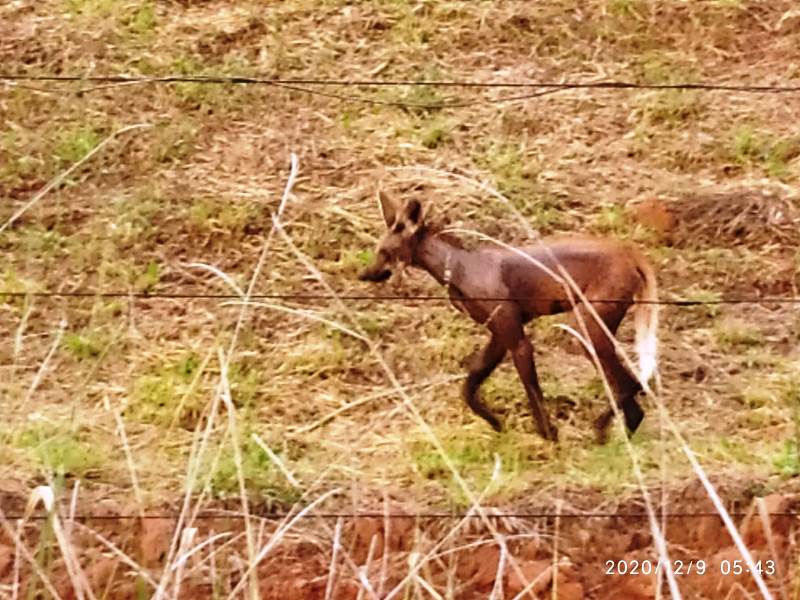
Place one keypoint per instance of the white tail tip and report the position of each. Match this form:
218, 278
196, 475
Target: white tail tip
647, 358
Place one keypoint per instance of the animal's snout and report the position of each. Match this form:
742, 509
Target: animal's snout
375, 275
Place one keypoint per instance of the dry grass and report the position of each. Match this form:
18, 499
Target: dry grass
199, 186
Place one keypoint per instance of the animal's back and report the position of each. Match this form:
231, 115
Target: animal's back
601, 268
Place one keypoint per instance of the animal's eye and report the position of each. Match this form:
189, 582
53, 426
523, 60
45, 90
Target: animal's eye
398, 227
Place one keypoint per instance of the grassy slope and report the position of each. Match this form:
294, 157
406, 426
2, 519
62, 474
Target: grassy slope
199, 185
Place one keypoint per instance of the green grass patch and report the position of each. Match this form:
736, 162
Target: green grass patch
473, 455
669, 108
733, 334
209, 214
695, 293
581, 392
86, 345
142, 22
174, 142
61, 450
611, 218
11, 281
39, 242
149, 277
324, 352
753, 148
626, 9
136, 216
92, 8
263, 480
75, 142
515, 175
422, 99
659, 67
757, 396
731, 451
513, 170
20, 156
607, 467
787, 461
206, 98
434, 133
409, 28
174, 392
169, 394
615, 220
352, 261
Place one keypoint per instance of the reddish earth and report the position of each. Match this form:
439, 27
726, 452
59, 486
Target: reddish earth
706, 561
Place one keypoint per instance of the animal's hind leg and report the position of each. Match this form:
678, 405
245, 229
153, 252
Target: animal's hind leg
624, 385
481, 365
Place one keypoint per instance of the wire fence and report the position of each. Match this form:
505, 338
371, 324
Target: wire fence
562, 85
310, 85
276, 516
296, 84
144, 295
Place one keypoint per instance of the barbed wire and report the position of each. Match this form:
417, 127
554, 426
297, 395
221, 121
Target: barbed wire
295, 84
274, 516
143, 295
234, 79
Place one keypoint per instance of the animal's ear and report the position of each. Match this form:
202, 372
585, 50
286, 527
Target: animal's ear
388, 207
413, 212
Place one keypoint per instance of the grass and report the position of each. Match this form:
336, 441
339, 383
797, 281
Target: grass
659, 67
474, 457
174, 142
91, 8
61, 451
787, 462
223, 214
74, 143
260, 476
201, 185
670, 109
708, 300
514, 171
435, 133
757, 149
13, 282
84, 346
169, 394
731, 335
143, 20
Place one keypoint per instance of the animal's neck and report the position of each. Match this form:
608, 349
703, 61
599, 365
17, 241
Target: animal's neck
440, 255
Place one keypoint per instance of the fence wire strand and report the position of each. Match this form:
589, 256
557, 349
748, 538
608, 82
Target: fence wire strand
104, 82
270, 516
246, 80
144, 295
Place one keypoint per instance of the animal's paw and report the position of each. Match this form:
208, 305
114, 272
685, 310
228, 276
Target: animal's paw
550, 433
601, 435
495, 425
601, 424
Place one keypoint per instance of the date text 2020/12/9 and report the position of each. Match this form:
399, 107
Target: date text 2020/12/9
686, 567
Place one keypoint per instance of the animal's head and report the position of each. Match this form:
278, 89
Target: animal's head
404, 223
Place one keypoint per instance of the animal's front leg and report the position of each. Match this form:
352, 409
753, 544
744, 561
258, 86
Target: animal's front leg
526, 368
481, 365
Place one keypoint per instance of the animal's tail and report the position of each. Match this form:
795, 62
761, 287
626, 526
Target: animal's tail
646, 320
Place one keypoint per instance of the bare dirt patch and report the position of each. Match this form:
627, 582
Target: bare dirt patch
599, 558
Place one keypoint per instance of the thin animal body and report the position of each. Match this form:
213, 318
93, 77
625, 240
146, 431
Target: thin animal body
504, 288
